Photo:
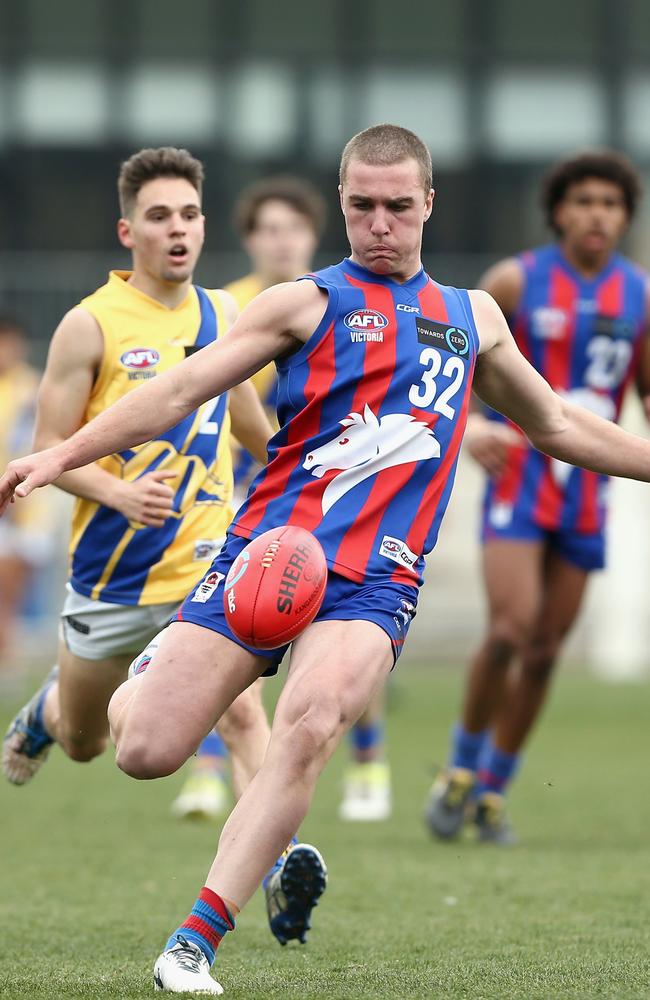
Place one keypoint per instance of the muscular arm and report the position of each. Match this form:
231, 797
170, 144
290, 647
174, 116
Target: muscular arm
275, 323
508, 383
643, 368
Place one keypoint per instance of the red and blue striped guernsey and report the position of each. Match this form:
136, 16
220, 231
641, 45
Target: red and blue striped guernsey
372, 411
584, 336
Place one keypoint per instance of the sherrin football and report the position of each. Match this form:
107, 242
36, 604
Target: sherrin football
275, 587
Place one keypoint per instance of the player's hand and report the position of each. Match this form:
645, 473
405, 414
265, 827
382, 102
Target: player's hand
26, 474
489, 442
147, 500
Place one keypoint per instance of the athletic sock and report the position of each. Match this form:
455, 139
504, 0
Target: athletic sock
207, 923
213, 746
466, 747
278, 864
496, 769
367, 740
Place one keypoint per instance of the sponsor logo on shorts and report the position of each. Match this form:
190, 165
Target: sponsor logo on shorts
207, 548
398, 551
500, 515
404, 615
452, 339
206, 589
140, 362
366, 326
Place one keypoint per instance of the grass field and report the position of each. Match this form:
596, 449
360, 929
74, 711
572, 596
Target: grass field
95, 873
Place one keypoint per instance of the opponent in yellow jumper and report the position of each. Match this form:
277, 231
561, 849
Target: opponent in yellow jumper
147, 520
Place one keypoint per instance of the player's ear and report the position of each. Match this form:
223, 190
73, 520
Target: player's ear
428, 205
124, 233
341, 198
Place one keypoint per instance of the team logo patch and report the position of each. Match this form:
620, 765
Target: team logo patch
205, 590
452, 339
397, 551
366, 445
549, 323
614, 326
140, 362
366, 325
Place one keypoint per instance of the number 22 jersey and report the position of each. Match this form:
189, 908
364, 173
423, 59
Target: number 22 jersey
372, 411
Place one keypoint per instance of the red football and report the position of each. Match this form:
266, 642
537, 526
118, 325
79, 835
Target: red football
275, 587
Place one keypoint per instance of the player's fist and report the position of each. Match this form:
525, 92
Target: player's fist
147, 500
26, 474
489, 442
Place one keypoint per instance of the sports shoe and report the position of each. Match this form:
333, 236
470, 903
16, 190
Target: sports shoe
492, 822
203, 796
26, 744
184, 969
449, 802
366, 793
293, 891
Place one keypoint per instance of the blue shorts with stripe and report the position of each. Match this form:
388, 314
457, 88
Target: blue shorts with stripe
501, 522
391, 606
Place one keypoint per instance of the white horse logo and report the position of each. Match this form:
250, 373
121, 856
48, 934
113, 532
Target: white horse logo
368, 445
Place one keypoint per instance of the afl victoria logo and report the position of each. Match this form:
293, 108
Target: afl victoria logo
365, 319
139, 358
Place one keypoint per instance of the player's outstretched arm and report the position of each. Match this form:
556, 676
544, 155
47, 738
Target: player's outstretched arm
276, 322
508, 383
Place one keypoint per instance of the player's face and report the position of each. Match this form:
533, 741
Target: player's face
592, 217
166, 230
282, 244
385, 208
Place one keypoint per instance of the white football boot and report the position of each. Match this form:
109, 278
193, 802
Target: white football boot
184, 969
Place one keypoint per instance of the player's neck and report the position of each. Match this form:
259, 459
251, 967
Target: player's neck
169, 293
587, 265
403, 273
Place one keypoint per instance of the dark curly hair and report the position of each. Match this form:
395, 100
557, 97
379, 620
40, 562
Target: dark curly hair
604, 164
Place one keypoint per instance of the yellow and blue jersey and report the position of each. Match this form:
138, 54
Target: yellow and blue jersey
18, 389
112, 559
244, 290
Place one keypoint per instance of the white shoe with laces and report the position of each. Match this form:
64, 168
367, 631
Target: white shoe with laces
184, 969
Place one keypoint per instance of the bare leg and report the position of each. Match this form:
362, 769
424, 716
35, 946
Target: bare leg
245, 730
513, 583
564, 590
15, 574
322, 697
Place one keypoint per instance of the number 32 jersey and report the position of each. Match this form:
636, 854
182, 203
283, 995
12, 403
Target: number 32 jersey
372, 411
584, 337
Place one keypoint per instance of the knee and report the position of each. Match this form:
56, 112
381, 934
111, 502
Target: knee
141, 759
540, 657
506, 637
312, 729
245, 715
82, 749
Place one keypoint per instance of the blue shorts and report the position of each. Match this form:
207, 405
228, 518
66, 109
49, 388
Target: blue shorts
391, 606
586, 551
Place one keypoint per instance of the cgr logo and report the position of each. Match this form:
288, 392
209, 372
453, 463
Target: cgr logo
365, 319
402, 307
139, 358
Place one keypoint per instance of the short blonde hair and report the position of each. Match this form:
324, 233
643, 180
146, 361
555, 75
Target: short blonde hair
383, 145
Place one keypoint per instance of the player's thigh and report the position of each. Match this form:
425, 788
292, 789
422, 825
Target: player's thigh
565, 586
194, 675
85, 689
336, 668
513, 577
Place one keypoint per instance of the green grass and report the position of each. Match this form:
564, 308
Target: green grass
95, 873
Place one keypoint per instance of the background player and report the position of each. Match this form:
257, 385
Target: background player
280, 221
26, 536
578, 311
346, 654
147, 521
